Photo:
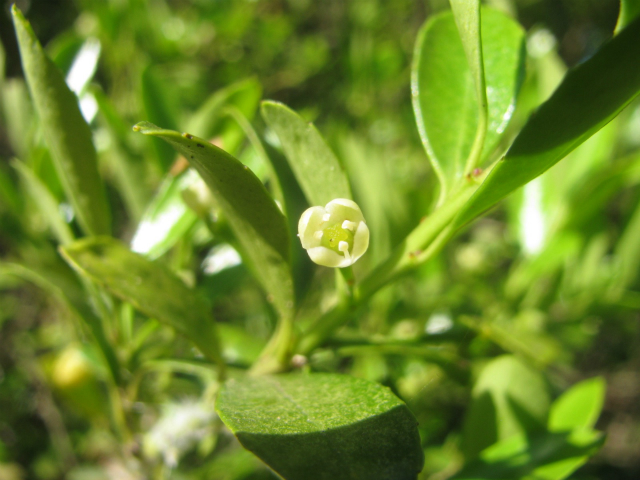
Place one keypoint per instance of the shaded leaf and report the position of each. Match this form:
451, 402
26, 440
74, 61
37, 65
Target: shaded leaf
46, 202
315, 166
66, 133
508, 398
252, 214
149, 286
578, 407
590, 96
323, 426
629, 10
545, 456
444, 95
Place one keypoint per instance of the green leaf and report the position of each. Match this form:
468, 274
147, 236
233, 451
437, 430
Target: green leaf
66, 133
252, 214
627, 252
467, 17
629, 10
315, 166
545, 456
578, 407
444, 94
589, 97
167, 218
149, 286
509, 397
46, 202
323, 426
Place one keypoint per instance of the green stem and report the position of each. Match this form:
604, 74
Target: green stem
276, 355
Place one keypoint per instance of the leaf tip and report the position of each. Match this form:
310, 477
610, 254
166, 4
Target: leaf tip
145, 127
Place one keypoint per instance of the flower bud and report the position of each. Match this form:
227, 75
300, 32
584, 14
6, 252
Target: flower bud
335, 235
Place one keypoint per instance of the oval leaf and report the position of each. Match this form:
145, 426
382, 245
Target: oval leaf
590, 96
149, 286
66, 133
444, 92
315, 166
323, 426
253, 216
578, 407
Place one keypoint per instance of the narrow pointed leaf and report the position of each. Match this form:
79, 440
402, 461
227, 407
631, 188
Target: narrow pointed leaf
46, 202
253, 216
149, 286
66, 133
444, 92
590, 96
315, 166
323, 426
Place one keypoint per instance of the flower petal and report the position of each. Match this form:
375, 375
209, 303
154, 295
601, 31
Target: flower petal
309, 224
326, 257
360, 241
343, 209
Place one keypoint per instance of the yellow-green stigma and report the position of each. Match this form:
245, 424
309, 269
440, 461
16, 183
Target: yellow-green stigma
333, 235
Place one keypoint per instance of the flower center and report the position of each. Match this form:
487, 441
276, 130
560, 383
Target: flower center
333, 235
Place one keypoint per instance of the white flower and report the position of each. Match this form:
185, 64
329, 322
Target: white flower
335, 235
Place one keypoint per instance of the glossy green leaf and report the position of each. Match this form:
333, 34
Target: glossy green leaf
444, 95
544, 456
66, 133
629, 10
315, 166
590, 96
167, 218
252, 214
578, 407
46, 202
467, 16
149, 286
509, 397
323, 426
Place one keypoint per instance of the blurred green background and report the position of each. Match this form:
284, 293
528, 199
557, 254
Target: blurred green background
569, 302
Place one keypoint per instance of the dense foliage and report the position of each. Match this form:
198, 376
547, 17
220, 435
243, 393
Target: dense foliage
159, 317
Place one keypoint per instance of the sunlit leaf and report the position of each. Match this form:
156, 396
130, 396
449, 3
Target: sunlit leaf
66, 133
315, 166
252, 214
149, 286
590, 96
444, 92
578, 407
323, 426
